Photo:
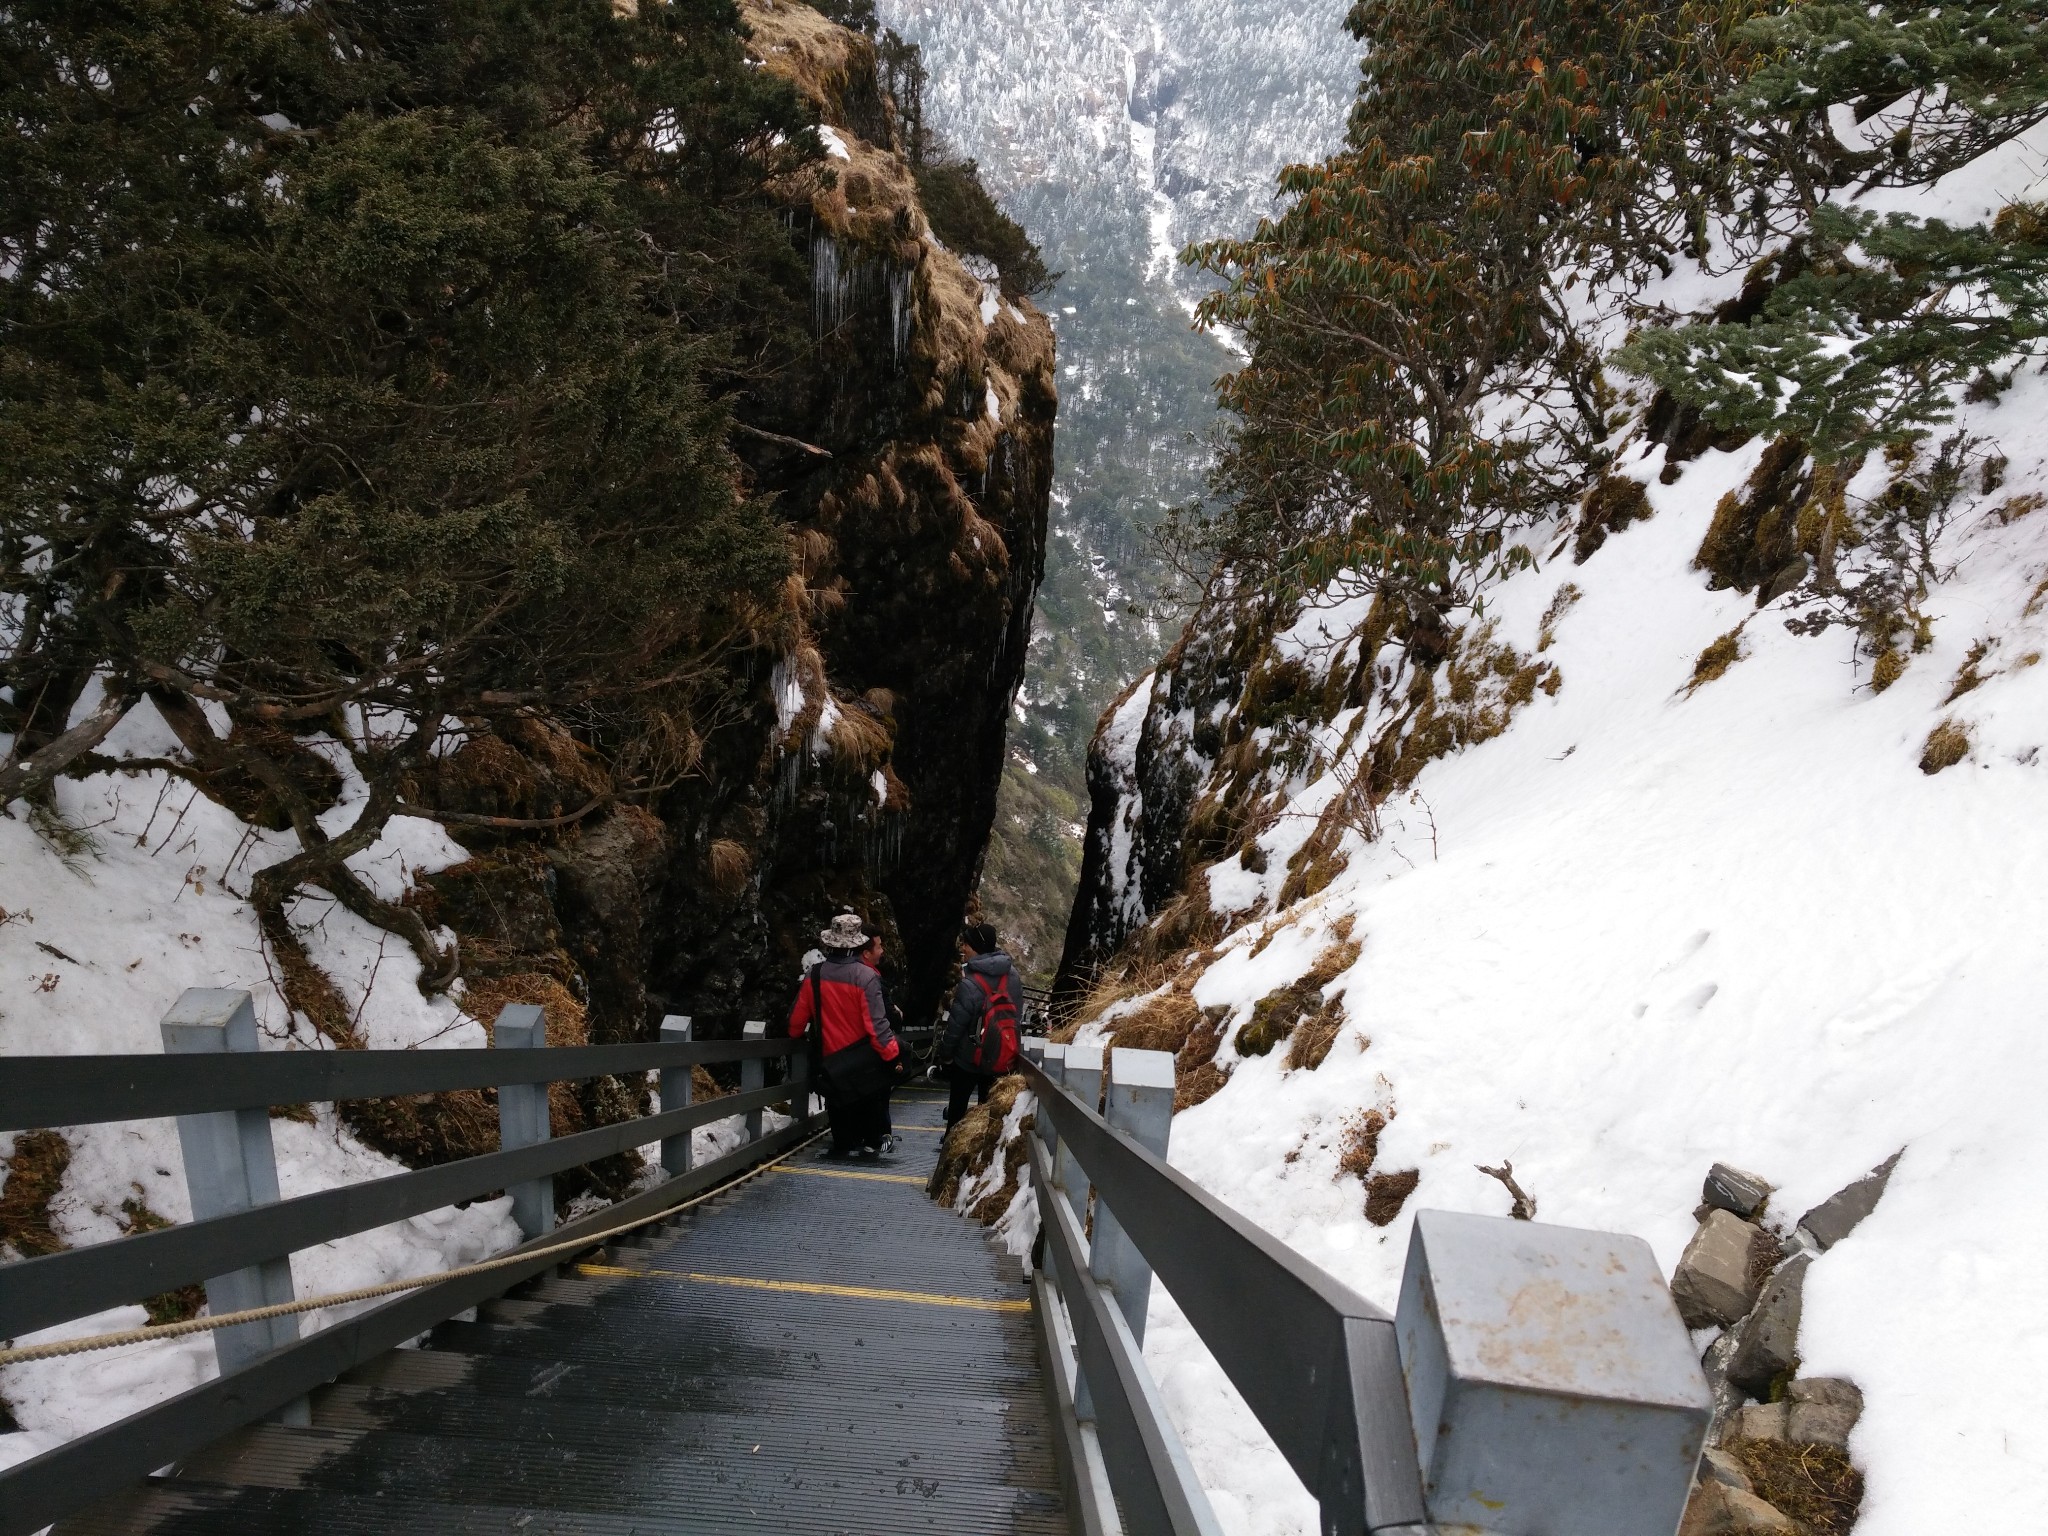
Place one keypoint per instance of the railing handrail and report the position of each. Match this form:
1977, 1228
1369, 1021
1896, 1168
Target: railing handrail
38, 1091
42, 1292
1317, 1363
38, 1491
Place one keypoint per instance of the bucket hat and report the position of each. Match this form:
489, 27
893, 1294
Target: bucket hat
846, 932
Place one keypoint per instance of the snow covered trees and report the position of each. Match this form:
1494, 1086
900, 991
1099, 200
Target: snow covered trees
1415, 390
1874, 320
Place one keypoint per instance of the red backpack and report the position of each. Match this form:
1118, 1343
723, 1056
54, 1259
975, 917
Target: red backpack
995, 1047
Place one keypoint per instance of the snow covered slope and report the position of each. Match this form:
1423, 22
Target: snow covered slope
95, 946
1668, 916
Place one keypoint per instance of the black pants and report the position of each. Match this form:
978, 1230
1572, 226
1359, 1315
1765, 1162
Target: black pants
858, 1122
966, 1084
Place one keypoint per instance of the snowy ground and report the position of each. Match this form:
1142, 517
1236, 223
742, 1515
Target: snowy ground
1645, 930
94, 950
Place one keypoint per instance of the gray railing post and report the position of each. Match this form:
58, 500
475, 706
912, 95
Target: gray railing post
1551, 1384
231, 1166
1084, 1082
1083, 1079
523, 1115
754, 1074
800, 1086
676, 1091
1141, 1106
1054, 1065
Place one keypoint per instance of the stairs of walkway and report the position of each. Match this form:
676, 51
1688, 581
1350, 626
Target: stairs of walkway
821, 1350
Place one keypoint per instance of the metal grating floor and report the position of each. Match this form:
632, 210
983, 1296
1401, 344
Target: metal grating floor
822, 1352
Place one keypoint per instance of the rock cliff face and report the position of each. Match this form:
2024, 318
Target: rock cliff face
866, 765
858, 758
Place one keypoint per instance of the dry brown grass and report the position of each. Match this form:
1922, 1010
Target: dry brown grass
307, 989
1715, 660
1889, 667
1386, 1193
1566, 598
1196, 1077
1131, 976
1359, 1143
1814, 1484
1485, 682
860, 737
729, 866
1754, 532
422, 1130
1968, 678
35, 1172
1276, 1015
2013, 508
970, 1146
1162, 1023
1358, 1149
1321, 857
1311, 1041
1612, 504
1947, 744
989, 1209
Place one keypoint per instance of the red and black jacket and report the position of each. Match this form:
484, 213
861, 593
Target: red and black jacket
853, 1006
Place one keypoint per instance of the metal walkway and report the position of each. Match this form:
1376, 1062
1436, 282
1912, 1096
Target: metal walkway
821, 1351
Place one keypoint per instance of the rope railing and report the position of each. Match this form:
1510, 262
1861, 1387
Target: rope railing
58, 1348
220, 1087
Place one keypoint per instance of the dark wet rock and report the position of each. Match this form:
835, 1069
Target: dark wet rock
1731, 1189
1839, 1215
1766, 1346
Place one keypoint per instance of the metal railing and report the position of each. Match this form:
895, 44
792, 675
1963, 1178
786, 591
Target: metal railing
1328, 1375
1316, 1362
221, 1088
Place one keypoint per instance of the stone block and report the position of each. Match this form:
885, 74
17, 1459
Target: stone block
1733, 1190
1819, 1424
1838, 1215
1761, 1421
1830, 1391
1551, 1385
1768, 1343
1720, 1467
1712, 1283
1719, 1510
1823, 1410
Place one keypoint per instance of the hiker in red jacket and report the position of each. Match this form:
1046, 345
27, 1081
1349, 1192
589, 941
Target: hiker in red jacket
841, 1007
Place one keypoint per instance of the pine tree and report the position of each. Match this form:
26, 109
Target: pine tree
1416, 391
1874, 324
368, 368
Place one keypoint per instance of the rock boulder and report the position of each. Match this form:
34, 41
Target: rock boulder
1719, 1510
1838, 1215
1731, 1189
1767, 1344
1713, 1283
1822, 1410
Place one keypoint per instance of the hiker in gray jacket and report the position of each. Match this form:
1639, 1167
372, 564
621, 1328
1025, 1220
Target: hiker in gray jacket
980, 1039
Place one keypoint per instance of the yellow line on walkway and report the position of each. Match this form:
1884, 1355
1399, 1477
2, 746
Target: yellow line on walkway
814, 1288
848, 1173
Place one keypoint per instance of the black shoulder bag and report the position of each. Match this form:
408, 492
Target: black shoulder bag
854, 1071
